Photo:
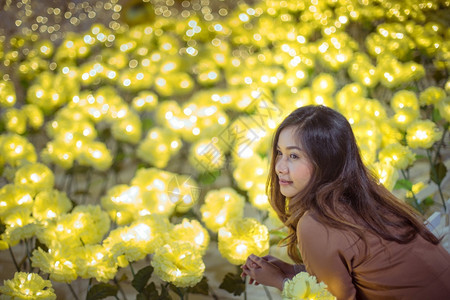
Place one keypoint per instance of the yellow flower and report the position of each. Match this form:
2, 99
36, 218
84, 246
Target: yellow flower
258, 196
416, 188
51, 204
305, 286
206, 156
127, 129
35, 116
404, 117
241, 237
121, 202
95, 261
15, 121
250, 171
95, 154
14, 234
38, 177
159, 145
389, 133
142, 237
7, 94
404, 98
13, 196
86, 224
59, 153
387, 175
16, 150
145, 101
324, 84
432, 95
422, 134
58, 262
179, 263
27, 286
220, 207
193, 232
400, 157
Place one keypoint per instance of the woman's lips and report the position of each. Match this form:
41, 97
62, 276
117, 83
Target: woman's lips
284, 182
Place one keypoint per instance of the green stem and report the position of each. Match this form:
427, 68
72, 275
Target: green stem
72, 291
28, 253
14, 259
441, 142
416, 201
120, 288
131, 268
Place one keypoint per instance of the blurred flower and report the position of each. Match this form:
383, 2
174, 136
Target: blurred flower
13, 196
38, 177
305, 286
50, 204
220, 207
27, 286
142, 237
15, 233
159, 145
386, 173
400, 157
16, 150
15, 120
95, 261
403, 99
145, 101
127, 129
121, 202
257, 195
241, 237
96, 155
7, 94
35, 116
60, 153
193, 232
432, 95
206, 156
58, 262
249, 171
404, 117
179, 263
86, 224
422, 134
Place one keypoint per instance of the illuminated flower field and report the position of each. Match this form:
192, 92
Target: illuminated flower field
137, 133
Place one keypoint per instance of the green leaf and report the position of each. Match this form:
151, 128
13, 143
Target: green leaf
3, 228
233, 283
38, 245
146, 124
436, 116
438, 172
101, 291
278, 233
141, 278
201, 288
403, 184
208, 177
164, 294
149, 292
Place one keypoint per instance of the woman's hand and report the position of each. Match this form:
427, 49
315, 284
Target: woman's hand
288, 269
261, 271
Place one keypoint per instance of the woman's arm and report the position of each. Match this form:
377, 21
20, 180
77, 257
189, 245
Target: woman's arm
263, 272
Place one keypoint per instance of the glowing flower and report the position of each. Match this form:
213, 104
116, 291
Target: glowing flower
7, 94
404, 117
206, 156
416, 188
422, 134
183, 192
14, 233
324, 84
159, 145
50, 204
127, 129
249, 171
191, 231
94, 261
35, 116
404, 98
387, 175
95, 154
258, 197
86, 224
58, 262
27, 286
16, 150
59, 153
14, 196
145, 101
15, 121
220, 207
38, 177
179, 263
142, 237
241, 237
400, 157
305, 286
121, 202
432, 95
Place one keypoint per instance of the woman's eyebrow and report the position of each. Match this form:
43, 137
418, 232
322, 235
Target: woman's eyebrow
291, 147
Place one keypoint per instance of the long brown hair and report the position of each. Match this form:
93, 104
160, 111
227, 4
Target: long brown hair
341, 193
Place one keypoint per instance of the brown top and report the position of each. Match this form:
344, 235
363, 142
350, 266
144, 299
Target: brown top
388, 270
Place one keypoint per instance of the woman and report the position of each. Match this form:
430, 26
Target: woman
344, 227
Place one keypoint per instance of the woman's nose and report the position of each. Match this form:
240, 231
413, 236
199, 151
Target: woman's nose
281, 167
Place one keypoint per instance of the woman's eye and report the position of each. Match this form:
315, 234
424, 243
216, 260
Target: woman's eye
294, 156
278, 152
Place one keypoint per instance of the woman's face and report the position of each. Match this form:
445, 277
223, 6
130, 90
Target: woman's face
292, 166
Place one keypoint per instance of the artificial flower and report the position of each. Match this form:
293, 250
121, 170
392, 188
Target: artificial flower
27, 286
